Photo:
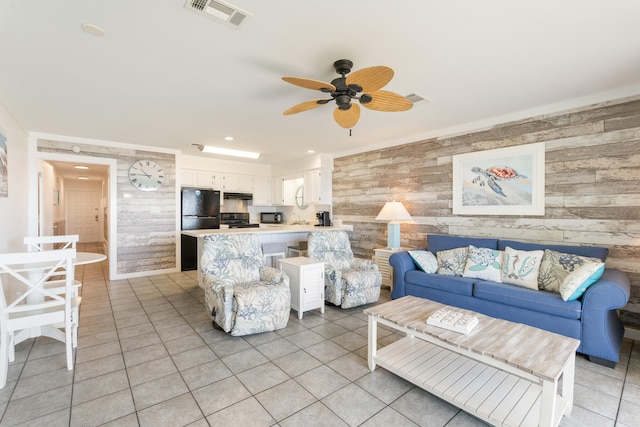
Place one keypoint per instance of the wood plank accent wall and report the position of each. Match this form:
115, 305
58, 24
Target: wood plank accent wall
146, 223
592, 174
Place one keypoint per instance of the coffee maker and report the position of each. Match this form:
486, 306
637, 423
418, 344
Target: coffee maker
324, 219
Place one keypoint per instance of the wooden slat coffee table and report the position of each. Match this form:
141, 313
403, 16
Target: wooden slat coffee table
504, 373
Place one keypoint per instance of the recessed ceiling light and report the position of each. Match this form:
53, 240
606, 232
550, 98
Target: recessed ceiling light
310, 151
83, 177
228, 138
81, 167
93, 29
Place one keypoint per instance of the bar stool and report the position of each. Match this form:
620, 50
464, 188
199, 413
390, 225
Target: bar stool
299, 250
274, 251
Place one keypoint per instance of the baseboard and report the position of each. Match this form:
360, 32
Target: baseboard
632, 333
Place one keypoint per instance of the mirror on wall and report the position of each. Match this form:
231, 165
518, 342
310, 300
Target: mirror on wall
300, 198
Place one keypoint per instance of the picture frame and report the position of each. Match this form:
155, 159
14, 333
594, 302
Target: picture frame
504, 181
4, 165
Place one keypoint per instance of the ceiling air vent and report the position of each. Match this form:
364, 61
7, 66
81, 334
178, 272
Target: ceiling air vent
220, 11
417, 98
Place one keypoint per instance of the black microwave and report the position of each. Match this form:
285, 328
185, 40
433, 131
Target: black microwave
271, 217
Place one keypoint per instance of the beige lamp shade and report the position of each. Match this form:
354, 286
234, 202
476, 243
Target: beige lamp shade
393, 211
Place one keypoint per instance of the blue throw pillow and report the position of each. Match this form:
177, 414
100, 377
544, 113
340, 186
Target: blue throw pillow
576, 283
425, 260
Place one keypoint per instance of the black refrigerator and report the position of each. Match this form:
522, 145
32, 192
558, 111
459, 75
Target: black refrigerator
200, 210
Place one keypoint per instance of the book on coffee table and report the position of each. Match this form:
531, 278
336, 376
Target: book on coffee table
453, 320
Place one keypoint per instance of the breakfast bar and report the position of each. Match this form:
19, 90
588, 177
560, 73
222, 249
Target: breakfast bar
289, 234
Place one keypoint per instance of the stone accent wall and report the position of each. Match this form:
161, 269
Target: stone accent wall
592, 197
146, 223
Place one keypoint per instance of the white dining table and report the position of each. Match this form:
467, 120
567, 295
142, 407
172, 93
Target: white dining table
82, 258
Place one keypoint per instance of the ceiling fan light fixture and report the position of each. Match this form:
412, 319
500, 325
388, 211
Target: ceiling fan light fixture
367, 82
227, 151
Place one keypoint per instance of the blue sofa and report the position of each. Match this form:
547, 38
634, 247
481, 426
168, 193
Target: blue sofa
592, 318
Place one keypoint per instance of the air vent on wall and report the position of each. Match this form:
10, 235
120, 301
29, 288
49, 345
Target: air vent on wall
417, 98
220, 11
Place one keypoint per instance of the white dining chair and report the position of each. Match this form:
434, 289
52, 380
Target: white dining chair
26, 304
39, 243
43, 243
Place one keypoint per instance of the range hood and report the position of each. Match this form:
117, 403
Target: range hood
237, 196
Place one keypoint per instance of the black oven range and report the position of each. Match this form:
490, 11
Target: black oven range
236, 220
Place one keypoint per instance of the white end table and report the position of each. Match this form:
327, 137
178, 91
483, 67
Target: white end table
306, 280
381, 258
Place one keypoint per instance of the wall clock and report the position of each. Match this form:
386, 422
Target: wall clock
146, 175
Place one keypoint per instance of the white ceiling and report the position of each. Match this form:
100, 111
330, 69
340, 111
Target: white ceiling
165, 76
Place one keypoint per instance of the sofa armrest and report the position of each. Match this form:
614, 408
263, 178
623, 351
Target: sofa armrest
602, 331
401, 263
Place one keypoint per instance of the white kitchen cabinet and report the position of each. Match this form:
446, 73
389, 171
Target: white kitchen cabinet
317, 187
306, 280
188, 178
283, 191
262, 191
277, 190
207, 179
237, 183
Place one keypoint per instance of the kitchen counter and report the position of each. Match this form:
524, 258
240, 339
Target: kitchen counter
267, 233
267, 229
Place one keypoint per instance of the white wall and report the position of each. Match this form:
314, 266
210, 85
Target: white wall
14, 209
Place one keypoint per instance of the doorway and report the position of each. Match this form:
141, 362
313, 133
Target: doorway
70, 198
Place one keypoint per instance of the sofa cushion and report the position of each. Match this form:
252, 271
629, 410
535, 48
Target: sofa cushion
534, 300
453, 284
425, 261
439, 242
451, 262
576, 283
588, 251
555, 266
483, 263
521, 267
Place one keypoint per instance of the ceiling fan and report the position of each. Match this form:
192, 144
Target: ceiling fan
363, 85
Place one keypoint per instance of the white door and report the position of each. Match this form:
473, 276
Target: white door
84, 215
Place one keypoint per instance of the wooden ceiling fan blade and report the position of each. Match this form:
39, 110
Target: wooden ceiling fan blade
310, 83
382, 100
305, 106
347, 118
372, 78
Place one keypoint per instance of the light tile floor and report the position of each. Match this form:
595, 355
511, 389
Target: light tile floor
149, 356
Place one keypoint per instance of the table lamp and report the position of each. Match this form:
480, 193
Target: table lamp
394, 212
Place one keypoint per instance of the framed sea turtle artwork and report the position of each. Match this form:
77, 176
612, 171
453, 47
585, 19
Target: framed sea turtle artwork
504, 181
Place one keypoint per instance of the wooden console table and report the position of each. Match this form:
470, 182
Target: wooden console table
504, 373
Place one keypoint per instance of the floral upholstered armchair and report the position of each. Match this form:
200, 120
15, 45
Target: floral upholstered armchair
242, 295
349, 281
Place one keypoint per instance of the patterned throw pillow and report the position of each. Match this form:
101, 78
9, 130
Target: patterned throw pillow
576, 283
556, 266
451, 262
483, 263
521, 267
425, 260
